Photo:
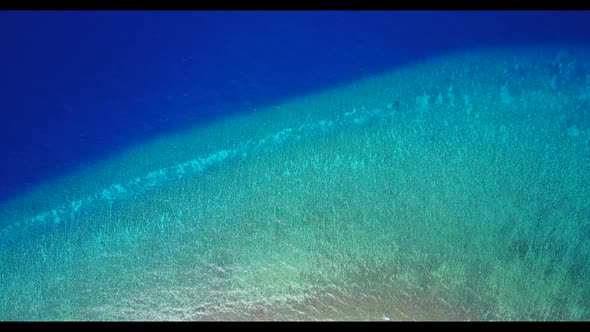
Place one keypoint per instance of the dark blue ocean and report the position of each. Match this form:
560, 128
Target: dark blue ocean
294, 165
78, 86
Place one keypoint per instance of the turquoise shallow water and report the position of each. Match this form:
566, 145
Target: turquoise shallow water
454, 189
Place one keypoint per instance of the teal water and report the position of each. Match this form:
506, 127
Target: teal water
453, 189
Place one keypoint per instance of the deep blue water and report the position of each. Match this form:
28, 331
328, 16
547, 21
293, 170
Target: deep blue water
77, 86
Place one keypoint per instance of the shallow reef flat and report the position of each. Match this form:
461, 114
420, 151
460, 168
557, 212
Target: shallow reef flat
457, 188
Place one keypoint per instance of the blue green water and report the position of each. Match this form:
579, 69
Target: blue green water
301, 167
453, 189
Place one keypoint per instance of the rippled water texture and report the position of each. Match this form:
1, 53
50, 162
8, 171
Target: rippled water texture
455, 189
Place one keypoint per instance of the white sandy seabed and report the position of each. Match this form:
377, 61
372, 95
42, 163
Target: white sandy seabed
454, 189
